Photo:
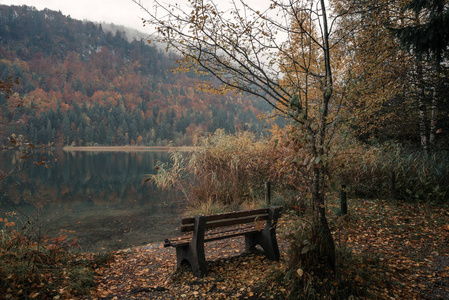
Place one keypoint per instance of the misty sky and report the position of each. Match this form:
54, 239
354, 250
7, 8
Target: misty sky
120, 12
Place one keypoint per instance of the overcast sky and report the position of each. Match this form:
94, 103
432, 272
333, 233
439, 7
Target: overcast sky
120, 12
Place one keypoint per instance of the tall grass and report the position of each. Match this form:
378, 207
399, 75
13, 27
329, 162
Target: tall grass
368, 173
229, 169
226, 172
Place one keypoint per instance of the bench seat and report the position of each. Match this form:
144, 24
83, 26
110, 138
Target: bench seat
258, 226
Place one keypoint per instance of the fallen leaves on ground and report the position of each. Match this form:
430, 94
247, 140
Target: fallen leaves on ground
411, 242
149, 272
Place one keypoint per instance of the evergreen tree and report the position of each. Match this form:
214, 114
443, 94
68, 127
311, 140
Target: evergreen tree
66, 130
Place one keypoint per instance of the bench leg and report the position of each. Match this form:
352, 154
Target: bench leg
195, 258
251, 241
269, 243
267, 240
194, 252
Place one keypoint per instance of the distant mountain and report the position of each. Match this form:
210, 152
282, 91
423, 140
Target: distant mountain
82, 84
131, 34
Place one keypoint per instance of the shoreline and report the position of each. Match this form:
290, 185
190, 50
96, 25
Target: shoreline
127, 148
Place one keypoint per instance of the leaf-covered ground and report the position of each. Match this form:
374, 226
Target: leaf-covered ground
149, 272
411, 241
410, 244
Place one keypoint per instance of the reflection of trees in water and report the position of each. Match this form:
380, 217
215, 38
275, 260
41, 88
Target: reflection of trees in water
99, 196
87, 178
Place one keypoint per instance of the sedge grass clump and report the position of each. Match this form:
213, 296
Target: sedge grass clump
230, 169
228, 172
225, 172
369, 172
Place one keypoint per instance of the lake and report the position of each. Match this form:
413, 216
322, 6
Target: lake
96, 197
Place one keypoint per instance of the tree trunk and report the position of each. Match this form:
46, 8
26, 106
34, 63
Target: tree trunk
422, 107
326, 241
435, 95
324, 237
433, 118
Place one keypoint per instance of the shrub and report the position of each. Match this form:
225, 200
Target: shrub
34, 266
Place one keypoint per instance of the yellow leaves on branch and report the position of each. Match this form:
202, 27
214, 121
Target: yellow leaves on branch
7, 223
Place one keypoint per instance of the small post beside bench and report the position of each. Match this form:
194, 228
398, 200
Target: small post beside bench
258, 226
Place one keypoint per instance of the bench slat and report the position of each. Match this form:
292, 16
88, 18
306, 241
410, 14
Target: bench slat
188, 237
212, 235
230, 235
231, 215
228, 222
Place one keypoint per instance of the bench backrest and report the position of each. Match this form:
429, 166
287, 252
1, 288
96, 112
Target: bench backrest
228, 219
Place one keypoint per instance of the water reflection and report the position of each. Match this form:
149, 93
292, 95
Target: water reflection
97, 197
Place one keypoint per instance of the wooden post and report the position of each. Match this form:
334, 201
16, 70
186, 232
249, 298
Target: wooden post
393, 185
343, 201
268, 193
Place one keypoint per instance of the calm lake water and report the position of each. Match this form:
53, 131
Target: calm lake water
96, 197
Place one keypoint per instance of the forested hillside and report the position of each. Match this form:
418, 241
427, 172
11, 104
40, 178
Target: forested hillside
82, 85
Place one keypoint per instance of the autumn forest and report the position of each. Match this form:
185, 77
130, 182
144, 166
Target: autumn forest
82, 85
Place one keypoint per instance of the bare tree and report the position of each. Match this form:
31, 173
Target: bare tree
281, 54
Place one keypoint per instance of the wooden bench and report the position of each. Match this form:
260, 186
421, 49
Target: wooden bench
258, 226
